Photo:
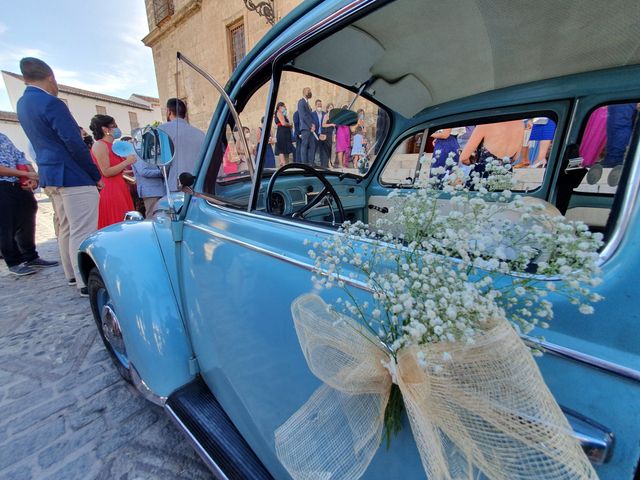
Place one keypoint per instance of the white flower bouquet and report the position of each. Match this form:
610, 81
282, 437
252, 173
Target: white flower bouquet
455, 270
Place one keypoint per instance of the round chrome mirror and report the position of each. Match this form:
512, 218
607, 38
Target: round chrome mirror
136, 140
156, 147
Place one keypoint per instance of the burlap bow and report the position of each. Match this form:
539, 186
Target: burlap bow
486, 409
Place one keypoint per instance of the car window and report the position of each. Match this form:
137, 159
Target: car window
403, 165
603, 150
525, 143
229, 177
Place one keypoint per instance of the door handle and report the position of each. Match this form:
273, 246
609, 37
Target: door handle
595, 439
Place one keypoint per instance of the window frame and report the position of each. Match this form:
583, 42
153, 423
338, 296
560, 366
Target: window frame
162, 10
560, 110
132, 116
237, 24
625, 198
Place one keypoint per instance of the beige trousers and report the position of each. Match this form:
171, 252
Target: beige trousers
150, 204
77, 212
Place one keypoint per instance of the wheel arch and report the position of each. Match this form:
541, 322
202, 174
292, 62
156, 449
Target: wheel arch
130, 262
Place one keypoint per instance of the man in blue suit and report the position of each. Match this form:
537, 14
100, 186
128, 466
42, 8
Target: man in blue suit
65, 166
307, 129
324, 142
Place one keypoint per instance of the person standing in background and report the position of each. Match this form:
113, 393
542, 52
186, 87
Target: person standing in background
296, 136
343, 144
187, 142
326, 145
150, 185
307, 130
19, 208
115, 199
269, 157
65, 167
284, 147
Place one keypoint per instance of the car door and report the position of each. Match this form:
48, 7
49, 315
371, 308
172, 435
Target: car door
242, 269
590, 362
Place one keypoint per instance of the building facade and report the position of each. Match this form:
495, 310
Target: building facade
214, 34
137, 111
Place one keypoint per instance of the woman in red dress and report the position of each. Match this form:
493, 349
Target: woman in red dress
115, 199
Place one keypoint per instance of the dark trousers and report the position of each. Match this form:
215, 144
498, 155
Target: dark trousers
324, 151
307, 147
17, 224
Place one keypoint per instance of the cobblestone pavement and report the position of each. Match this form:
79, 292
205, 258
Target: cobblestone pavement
64, 411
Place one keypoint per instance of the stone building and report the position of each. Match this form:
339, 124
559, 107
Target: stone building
214, 34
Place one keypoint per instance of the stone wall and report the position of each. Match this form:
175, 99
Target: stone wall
198, 29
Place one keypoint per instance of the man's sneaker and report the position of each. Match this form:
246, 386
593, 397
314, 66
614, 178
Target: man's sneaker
71, 281
84, 292
22, 270
40, 263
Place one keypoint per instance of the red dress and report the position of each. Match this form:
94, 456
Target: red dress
115, 199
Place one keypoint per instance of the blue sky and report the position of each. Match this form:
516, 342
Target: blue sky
91, 45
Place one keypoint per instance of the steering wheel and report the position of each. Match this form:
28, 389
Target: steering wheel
327, 190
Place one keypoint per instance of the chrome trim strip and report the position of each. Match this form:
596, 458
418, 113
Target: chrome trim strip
552, 348
143, 388
213, 466
271, 219
264, 251
569, 353
627, 208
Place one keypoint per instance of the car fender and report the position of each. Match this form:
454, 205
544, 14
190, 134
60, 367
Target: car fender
130, 261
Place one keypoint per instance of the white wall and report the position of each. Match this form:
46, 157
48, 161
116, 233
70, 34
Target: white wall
83, 108
14, 131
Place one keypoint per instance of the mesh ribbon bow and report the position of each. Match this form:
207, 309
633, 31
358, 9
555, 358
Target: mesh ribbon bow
485, 409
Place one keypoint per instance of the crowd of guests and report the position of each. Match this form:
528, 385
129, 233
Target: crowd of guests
308, 136
84, 177
472, 146
80, 173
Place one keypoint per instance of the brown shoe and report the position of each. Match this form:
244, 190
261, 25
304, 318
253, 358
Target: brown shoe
522, 165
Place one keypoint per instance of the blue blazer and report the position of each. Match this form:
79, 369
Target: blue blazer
304, 112
62, 156
316, 122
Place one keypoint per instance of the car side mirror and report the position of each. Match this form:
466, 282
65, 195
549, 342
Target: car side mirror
154, 146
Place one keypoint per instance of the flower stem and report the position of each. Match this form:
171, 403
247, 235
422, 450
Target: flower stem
393, 415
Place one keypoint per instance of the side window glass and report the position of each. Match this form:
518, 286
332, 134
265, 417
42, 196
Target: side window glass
228, 178
311, 125
604, 148
524, 144
403, 165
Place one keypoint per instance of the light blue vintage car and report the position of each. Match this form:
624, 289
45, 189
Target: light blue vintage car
194, 303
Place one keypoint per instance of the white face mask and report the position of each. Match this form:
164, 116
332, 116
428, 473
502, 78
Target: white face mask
319, 109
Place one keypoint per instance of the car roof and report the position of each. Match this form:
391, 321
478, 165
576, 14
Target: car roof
417, 53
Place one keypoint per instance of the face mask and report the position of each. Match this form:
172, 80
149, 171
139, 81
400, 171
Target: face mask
319, 109
284, 112
116, 133
309, 95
